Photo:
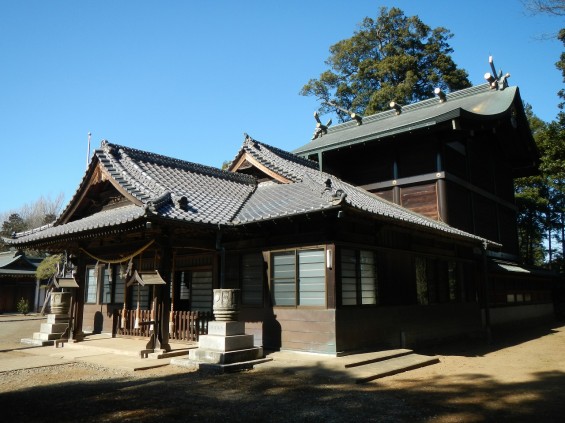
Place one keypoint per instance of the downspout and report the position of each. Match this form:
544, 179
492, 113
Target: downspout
486, 296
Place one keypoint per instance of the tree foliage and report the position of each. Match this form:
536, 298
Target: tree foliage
390, 58
42, 211
48, 267
541, 199
552, 7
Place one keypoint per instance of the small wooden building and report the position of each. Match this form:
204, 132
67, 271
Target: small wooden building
17, 281
323, 264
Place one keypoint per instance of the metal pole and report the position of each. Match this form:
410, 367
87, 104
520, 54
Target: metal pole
88, 150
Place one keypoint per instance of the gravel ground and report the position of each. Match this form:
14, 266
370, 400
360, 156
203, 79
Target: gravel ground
519, 377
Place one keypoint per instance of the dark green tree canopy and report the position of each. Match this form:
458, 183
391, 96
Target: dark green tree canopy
15, 223
393, 58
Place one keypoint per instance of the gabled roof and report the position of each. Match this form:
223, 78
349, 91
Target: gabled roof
279, 164
316, 191
16, 264
167, 188
479, 102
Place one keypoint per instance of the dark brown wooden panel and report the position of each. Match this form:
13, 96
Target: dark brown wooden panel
386, 194
421, 199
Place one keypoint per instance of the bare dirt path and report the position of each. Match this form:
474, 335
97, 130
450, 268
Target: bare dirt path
520, 377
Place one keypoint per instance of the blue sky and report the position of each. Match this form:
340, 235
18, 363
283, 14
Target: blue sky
188, 78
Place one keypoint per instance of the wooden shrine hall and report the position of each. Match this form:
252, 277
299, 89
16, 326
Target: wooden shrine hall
394, 229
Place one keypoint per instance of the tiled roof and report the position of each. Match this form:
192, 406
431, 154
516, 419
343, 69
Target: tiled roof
479, 100
282, 162
183, 191
100, 220
310, 193
272, 200
177, 189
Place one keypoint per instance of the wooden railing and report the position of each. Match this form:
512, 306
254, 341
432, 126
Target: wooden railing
188, 325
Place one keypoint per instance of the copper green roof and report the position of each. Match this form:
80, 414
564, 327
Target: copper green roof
478, 102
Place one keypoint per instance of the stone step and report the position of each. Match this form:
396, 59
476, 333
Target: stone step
57, 318
36, 342
373, 357
217, 367
228, 357
47, 336
376, 370
225, 343
53, 327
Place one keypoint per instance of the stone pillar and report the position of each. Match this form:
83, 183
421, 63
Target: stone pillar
226, 347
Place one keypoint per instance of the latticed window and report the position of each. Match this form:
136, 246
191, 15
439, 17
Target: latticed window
252, 279
298, 278
91, 288
436, 281
358, 277
113, 285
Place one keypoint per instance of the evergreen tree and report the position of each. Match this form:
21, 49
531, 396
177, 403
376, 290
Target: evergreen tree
393, 58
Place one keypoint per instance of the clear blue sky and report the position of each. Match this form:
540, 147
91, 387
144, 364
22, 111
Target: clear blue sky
188, 78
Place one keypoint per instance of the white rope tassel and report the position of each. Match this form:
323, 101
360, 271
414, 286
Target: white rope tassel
136, 324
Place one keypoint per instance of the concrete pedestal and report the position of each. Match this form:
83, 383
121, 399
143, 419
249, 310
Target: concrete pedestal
50, 331
225, 348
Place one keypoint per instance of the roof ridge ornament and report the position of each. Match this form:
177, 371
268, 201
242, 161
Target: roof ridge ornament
496, 82
441, 95
354, 116
321, 129
396, 107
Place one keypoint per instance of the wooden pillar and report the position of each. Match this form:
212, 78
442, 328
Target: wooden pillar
163, 292
79, 296
442, 201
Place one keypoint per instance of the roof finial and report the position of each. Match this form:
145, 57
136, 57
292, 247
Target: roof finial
496, 82
321, 129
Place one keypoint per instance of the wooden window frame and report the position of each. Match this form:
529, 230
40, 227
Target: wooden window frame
87, 293
358, 277
296, 250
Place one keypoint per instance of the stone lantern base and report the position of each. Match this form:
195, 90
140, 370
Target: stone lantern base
226, 347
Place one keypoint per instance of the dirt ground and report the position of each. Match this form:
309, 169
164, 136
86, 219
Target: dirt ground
518, 377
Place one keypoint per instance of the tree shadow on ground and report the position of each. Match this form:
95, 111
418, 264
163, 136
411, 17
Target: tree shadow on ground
316, 393
293, 394
500, 338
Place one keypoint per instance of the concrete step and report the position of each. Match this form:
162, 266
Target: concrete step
36, 342
375, 370
46, 336
218, 368
362, 359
